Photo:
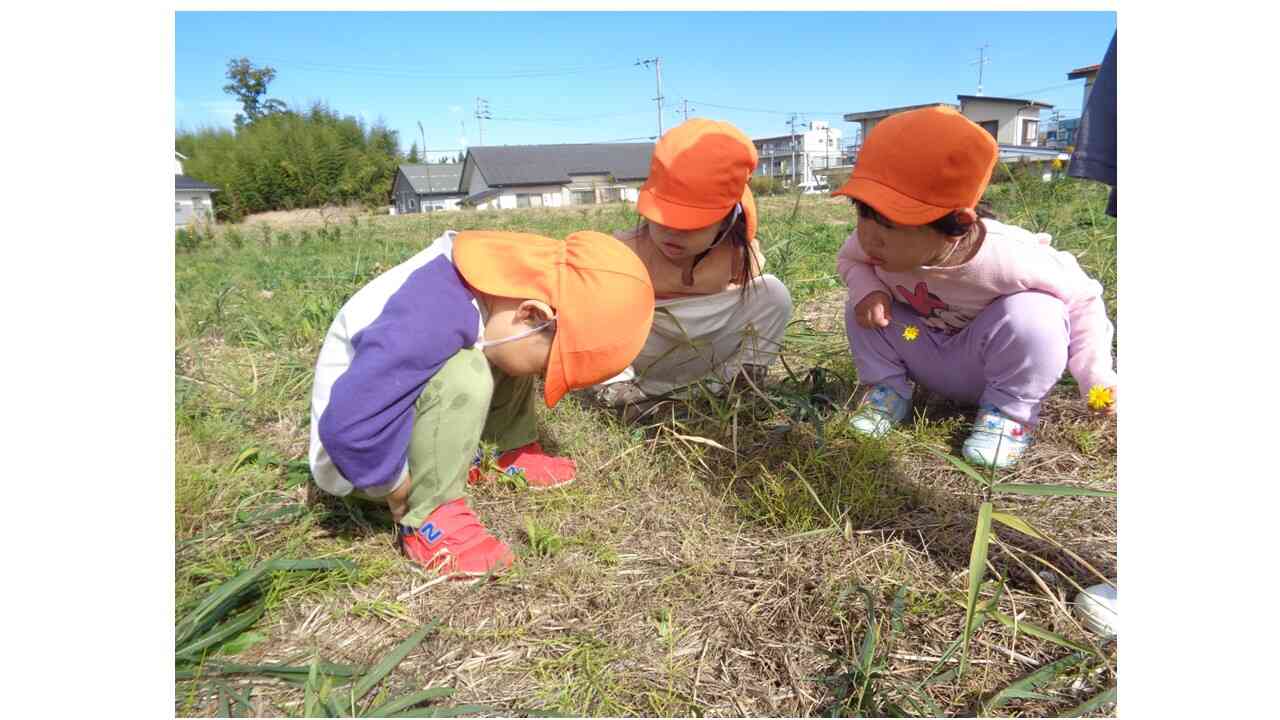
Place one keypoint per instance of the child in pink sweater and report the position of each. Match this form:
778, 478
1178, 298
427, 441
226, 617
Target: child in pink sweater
942, 294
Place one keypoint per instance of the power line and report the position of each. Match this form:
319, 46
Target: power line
772, 112
393, 72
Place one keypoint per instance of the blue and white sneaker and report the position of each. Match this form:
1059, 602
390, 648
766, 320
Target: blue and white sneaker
881, 409
996, 440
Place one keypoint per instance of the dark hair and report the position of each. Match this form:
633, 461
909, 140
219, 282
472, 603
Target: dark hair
737, 236
948, 224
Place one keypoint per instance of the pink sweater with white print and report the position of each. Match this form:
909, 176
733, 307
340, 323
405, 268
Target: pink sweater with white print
1010, 260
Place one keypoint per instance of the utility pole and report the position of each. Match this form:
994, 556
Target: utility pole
686, 109
482, 113
828, 132
791, 123
657, 63
426, 158
982, 60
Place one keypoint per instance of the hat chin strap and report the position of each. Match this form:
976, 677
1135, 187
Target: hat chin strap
482, 344
945, 258
737, 212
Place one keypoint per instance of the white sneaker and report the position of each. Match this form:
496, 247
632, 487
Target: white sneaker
1099, 609
881, 409
996, 440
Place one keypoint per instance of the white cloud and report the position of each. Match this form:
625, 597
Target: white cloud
455, 108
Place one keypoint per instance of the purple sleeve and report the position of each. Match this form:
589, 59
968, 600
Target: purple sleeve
369, 419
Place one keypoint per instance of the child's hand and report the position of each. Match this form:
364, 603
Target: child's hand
398, 500
873, 310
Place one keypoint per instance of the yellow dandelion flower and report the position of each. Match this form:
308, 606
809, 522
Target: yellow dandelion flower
910, 333
1100, 397
1057, 163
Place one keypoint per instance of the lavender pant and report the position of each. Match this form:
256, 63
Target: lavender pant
1009, 356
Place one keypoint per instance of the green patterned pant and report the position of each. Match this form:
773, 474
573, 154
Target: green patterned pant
467, 401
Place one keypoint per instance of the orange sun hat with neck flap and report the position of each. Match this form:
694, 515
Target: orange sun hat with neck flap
599, 289
917, 166
699, 171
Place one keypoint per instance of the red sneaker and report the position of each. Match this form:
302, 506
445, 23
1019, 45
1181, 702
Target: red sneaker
453, 542
541, 470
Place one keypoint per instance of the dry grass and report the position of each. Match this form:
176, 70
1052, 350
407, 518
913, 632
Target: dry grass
688, 580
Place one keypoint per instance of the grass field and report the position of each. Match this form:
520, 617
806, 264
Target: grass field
720, 561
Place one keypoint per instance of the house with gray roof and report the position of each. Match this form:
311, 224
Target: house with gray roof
519, 176
426, 188
192, 198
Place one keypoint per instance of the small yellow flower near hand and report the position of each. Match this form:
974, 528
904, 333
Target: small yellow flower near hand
1057, 163
1100, 397
910, 333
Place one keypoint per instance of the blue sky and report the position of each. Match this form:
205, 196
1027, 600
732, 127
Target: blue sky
571, 77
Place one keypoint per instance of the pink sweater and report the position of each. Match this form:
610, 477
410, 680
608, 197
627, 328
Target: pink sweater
1010, 260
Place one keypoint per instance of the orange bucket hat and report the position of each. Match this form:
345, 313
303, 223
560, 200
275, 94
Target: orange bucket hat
600, 291
699, 171
917, 166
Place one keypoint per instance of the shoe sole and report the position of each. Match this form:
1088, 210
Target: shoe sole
544, 488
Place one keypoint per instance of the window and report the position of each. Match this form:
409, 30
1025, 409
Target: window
1030, 131
528, 200
991, 126
584, 197
613, 194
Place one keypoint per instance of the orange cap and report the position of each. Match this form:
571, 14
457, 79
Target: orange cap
699, 171
917, 166
600, 291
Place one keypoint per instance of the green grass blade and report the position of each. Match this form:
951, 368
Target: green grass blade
1037, 631
454, 711
1036, 679
391, 708
234, 699
218, 603
387, 664
224, 703
899, 606
311, 693
977, 570
294, 673
869, 641
960, 465
1018, 524
1059, 490
1093, 703
228, 630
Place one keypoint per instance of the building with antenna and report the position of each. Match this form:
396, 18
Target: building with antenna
1013, 122
793, 159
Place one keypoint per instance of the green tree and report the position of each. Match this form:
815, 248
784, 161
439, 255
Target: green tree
249, 85
413, 154
293, 159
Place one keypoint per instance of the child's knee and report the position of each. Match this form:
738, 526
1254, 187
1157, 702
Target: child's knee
1035, 317
773, 298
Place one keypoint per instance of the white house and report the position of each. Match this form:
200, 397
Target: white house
794, 158
519, 176
1011, 121
869, 119
193, 199
1014, 123
426, 188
